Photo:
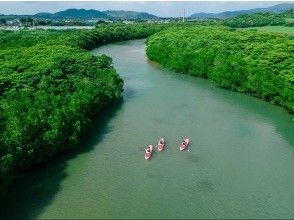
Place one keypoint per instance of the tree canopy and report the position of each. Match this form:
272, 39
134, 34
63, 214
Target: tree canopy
254, 62
261, 19
50, 89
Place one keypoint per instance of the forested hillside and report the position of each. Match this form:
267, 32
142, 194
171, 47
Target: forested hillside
279, 8
73, 14
121, 14
261, 19
51, 88
95, 14
256, 63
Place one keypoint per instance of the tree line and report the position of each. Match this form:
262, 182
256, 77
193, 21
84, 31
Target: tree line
50, 89
256, 63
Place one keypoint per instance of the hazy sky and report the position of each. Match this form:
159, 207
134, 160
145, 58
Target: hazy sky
164, 9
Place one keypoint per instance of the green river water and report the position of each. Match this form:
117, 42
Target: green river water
240, 162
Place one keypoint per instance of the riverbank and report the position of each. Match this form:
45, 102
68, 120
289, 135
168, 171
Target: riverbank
15, 28
253, 62
239, 164
51, 87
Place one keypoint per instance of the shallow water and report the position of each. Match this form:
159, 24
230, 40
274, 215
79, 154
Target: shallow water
239, 164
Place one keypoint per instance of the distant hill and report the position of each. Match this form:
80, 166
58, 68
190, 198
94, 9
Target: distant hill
90, 14
228, 14
120, 14
280, 7
73, 14
43, 15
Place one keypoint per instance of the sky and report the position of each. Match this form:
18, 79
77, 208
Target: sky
163, 9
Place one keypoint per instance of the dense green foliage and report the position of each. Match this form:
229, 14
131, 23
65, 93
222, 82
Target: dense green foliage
260, 19
103, 34
255, 20
277, 29
289, 18
51, 88
257, 63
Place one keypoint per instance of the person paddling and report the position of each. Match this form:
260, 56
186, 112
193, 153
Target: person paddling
148, 152
184, 142
149, 148
160, 144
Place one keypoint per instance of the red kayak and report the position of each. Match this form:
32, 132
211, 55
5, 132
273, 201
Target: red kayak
148, 155
184, 144
160, 144
148, 152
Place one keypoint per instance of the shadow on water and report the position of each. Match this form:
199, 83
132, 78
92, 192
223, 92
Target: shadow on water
185, 105
193, 157
33, 191
128, 93
157, 120
257, 108
206, 185
155, 176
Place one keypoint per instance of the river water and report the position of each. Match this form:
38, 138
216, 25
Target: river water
240, 162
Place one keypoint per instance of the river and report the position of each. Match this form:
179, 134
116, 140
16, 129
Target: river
240, 162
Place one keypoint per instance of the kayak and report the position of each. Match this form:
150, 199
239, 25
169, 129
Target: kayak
151, 147
184, 146
148, 155
148, 152
160, 146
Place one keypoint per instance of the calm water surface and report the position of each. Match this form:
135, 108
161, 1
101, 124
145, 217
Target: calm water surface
240, 163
